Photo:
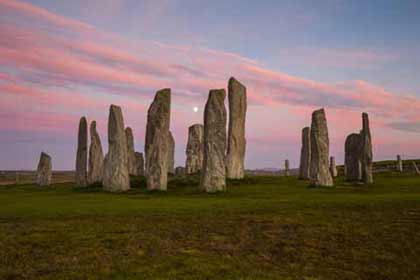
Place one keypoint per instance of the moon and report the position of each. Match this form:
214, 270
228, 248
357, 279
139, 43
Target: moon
195, 109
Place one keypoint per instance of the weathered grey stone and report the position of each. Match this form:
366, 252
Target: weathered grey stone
353, 157
399, 164
131, 158
44, 171
320, 173
305, 154
213, 175
96, 156
139, 164
415, 168
333, 167
235, 156
115, 177
82, 154
195, 149
171, 153
179, 171
367, 154
286, 168
156, 144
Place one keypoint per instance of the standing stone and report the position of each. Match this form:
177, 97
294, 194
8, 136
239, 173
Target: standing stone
305, 154
96, 156
82, 154
415, 168
139, 164
399, 164
320, 173
236, 137
367, 154
333, 167
130, 151
44, 171
213, 175
353, 157
179, 171
286, 168
156, 144
171, 153
195, 149
115, 177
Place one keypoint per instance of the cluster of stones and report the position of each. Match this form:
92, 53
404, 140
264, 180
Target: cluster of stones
358, 160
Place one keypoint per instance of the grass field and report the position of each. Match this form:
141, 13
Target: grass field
262, 228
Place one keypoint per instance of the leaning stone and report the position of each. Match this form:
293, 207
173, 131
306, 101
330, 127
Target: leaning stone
367, 154
286, 168
236, 136
171, 153
333, 167
115, 177
353, 157
213, 175
156, 144
195, 147
96, 156
399, 164
320, 173
82, 154
139, 164
130, 151
305, 154
415, 168
44, 171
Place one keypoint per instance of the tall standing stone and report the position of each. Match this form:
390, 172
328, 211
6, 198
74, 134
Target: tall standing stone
115, 177
320, 173
213, 175
82, 154
235, 156
195, 149
353, 157
171, 153
44, 170
131, 158
399, 164
333, 167
96, 156
415, 168
139, 164
156, 144
286, 168
179, 171
305, 154
367, 154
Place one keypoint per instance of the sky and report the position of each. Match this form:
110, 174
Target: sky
60, 60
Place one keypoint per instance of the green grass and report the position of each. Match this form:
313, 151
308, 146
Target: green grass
262, 228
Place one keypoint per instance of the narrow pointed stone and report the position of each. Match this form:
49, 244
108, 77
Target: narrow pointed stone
195, 149
286, 168
333, 167
82, 154
367, 154
131, 158
115, 177
171, 153
96, 156
399, 164
213, 175
236, 136
44, 170
156, 144
305, 154
320, 174
139, 164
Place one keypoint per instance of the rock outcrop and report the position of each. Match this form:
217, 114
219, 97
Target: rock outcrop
367, 154
96, 156
195, 149
115, 177
213, 175
44, 170
139, 164
305, 154
82, 154
320, 174
156, 144
171, 153
131, 158
333, 167
235, 156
